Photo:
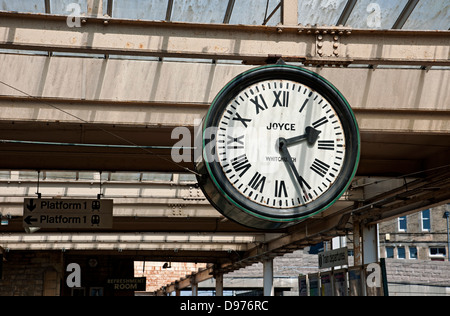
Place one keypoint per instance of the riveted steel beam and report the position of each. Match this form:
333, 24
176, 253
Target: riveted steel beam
251, 44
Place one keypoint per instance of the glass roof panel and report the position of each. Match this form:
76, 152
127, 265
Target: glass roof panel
430, 15
23, 5
199, 11
154, 176
154, 10
372, 14
381, 14
253, 12
320, 12
60, 6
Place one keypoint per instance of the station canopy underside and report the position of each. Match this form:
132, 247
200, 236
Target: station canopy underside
92, 108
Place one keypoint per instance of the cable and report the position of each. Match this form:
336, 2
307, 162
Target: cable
402, 177
28, 142
144, 148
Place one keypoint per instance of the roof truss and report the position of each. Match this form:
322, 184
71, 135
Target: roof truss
251, 44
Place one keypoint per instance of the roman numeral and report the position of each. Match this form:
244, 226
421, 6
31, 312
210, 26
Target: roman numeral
320, 122
258, 182
242, 120
306, 102
259, 107
305, 185
282, 103
235, 143
304, 105
241, 163
326, 144
320, 168
280, 189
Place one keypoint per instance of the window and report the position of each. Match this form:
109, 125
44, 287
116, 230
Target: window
390, 252
402, 224
426, 221
438, 251
401, 253
413, 253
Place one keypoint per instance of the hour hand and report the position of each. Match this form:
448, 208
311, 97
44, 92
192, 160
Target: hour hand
311, 135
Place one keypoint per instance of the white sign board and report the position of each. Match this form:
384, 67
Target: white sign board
72, 214
333, 258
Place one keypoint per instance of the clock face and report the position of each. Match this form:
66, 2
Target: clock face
249, 135
285, 146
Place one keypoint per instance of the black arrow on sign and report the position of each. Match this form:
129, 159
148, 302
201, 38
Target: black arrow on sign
29, 220
31, 206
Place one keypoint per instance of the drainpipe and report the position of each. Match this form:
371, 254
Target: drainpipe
447, 216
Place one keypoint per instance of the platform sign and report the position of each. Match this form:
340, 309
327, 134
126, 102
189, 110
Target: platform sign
333, 258
68, 214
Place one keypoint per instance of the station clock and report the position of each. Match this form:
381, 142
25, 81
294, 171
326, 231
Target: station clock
280, 144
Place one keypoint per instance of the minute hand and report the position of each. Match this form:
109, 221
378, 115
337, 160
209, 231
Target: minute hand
311, 135
282, 143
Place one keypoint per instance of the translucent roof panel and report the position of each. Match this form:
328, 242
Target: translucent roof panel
23, 5
320, 12
254, 12
61, 6
199, 11
366, 14
430, 15
381, 14
154, 10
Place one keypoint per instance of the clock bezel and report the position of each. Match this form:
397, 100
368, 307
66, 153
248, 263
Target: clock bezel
230, 201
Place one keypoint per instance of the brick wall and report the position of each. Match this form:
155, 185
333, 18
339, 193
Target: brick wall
418, 272
96, 270
31, 274
158, 277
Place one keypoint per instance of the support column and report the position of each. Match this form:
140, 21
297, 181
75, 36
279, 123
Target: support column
95, 8
357, 247
1, 263
370, 244
194, 286
219, 285
269, 289
447, 216
289, 12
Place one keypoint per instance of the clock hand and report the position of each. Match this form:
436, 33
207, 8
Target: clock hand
282, 145
311, 135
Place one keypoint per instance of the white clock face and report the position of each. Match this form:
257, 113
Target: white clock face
281, 144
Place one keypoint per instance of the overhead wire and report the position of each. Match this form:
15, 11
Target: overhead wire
29, 142
146, 149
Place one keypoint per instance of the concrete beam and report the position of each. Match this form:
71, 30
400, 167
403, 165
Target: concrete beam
253, 44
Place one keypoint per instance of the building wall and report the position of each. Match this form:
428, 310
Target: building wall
42, 273
418, 272
96, 270
158, 277
31, 274
414, 236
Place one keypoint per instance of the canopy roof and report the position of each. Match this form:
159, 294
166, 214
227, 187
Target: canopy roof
365, 14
